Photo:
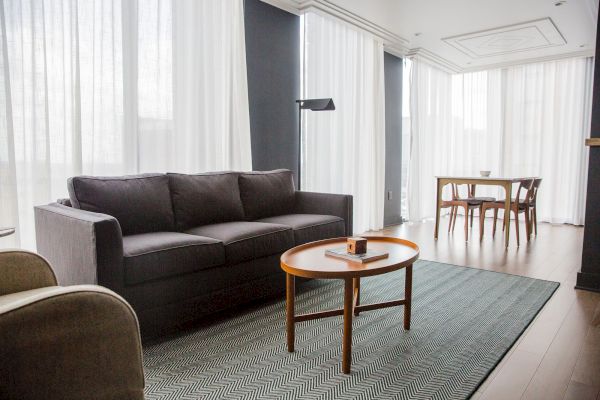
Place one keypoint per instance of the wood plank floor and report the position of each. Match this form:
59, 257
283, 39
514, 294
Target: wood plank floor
558, 356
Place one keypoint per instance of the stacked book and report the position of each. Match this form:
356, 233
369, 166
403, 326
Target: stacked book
370, 255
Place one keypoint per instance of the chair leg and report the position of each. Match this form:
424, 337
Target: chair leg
495, 219
454, 218
472, 214
481, 221
450, 220
535, 219
527, 225
516, 224
466, 223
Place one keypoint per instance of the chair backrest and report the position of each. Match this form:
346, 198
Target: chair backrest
534, 189
456, 192
22, 270
526, 185
472, 190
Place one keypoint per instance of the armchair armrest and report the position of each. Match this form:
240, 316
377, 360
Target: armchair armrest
339, 205
83, 247
22, 270
77, 342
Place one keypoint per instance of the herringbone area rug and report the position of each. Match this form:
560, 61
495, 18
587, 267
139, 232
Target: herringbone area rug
464, 320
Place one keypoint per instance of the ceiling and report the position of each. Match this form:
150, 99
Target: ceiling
463, 35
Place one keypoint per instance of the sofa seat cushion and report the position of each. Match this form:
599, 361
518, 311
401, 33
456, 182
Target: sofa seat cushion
157, 255
310, 227
248, 240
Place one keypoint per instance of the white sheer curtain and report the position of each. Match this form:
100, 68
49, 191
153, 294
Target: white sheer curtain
430, 109
193, 92
344, 150
62, 103
548, 111
520, 121
97, 87
209, 64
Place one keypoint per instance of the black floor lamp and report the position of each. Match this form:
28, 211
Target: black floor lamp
313, 105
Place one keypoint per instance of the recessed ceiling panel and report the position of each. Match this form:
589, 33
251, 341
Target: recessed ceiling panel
521, 37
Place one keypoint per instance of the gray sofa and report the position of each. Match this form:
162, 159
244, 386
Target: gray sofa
179, 246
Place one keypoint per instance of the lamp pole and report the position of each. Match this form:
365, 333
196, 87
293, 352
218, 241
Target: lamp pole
299, 175
313, 105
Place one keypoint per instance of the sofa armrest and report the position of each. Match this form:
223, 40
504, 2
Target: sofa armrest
83, 247
77, 342
22, 270
339, 205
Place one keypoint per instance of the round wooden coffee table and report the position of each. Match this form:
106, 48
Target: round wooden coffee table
309, 261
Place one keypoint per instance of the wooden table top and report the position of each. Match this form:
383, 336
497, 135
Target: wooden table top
486, 178
309, 260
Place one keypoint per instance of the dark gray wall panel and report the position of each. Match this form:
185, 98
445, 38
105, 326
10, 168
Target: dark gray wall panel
393, 137
273, 63
589, 277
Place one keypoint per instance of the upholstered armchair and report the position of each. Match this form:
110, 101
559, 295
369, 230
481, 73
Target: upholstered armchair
74, 342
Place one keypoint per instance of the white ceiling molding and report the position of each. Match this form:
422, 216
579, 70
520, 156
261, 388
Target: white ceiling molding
433, 59
291, 6
393, 43
541, 33
575, 54
525, 36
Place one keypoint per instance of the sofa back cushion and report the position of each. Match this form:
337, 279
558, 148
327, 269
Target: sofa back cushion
141, 203
266, 194
203, 199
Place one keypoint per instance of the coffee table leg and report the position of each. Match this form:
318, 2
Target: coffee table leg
356, 283
290, 294
407, 296
347, 340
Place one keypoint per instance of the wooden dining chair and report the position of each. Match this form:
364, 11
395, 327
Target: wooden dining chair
532, 205
518, 205
468, 204
472, 196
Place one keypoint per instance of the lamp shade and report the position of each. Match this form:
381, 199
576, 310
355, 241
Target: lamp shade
316, 104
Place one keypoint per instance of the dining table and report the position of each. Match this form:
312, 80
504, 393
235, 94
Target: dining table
504, 182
